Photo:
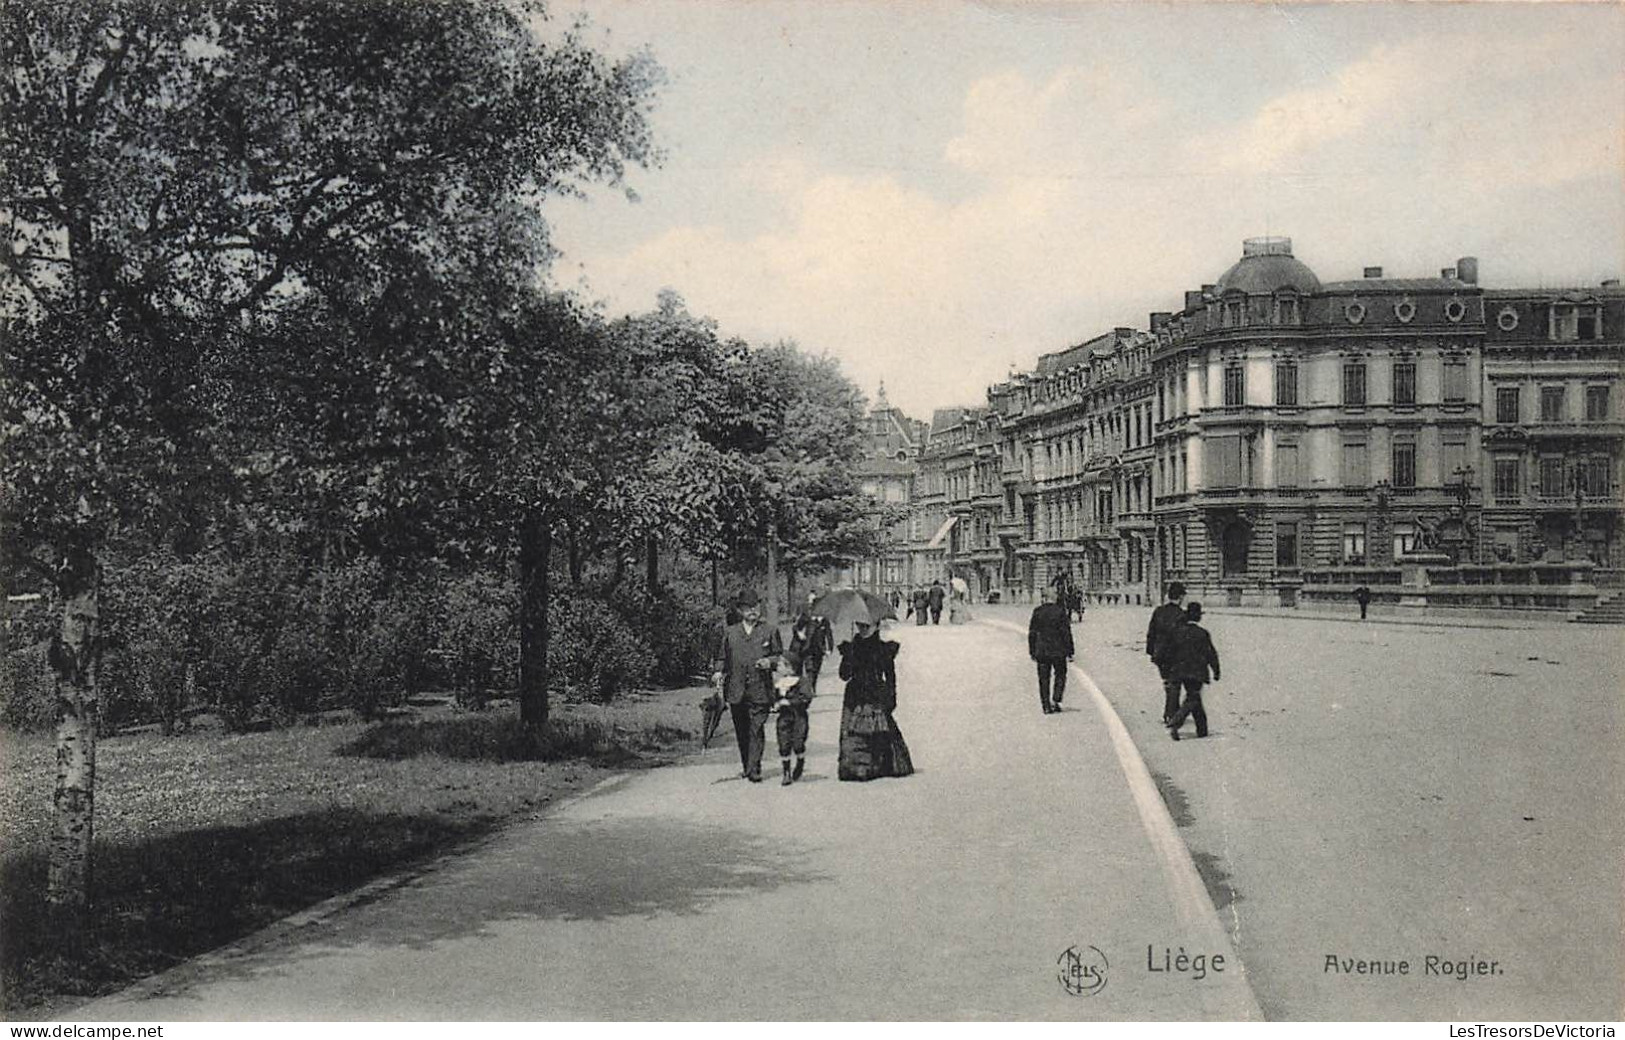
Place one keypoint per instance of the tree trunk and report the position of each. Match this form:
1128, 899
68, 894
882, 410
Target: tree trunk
535, 548
74, 654
714, 591
651, 576
770, 608
575, 557
789, 592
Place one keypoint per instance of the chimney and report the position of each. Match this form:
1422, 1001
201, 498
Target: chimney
1193, 299
1207, 290
1159, 319
1447, 272
1123, 332
1467, 269
1373, 272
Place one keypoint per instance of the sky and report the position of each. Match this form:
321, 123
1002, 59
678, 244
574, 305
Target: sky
937, 192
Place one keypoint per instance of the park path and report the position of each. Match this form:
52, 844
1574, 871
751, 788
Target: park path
685, 893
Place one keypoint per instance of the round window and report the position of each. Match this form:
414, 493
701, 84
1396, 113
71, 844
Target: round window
1455, 310
1354, 312
1507, 319
1405, 310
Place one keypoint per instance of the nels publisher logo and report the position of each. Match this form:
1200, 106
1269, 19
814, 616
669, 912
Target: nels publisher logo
1082, 970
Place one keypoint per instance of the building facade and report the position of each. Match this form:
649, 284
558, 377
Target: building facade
1277, 430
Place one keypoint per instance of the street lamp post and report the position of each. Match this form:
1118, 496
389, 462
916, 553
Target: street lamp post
1577, 478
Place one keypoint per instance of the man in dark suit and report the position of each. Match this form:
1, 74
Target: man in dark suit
1165, 620
1049, 642
917, 605
1190, 660
742, 670
810, 639
935, 598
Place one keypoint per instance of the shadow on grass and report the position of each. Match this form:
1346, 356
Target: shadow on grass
170, 898
492, 738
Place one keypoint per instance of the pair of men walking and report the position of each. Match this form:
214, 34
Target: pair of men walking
1184, 654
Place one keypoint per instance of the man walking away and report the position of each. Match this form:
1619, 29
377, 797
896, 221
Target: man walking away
935, 598
742, 670
1362, 596
1049, 642
1165, 620
918, 604
1190, 661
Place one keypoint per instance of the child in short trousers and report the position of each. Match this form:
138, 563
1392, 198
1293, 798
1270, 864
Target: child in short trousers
793, 699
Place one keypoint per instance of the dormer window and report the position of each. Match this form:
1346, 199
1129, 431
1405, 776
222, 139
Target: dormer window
1235, 311
1576, 319
1286, 309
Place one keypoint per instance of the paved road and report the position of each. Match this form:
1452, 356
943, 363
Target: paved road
688, 894
1371, 792
1385, 792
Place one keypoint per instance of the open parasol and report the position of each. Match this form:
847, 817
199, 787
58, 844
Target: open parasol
843, 608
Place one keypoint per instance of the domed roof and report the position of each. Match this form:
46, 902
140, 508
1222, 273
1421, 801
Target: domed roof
1267, 265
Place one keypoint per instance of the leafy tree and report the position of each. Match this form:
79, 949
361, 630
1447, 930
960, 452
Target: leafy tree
180, 181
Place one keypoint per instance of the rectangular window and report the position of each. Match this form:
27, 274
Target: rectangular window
1508, 481
1354, 384
1286, 465
1354, 543
1405, 382
1588, 324
1404, 539
1596, 477
1223, 456
1455, 457
1551, 404
1455, 380
1286, 545
1506, 404
1596, 404
1404, 466
1286, 384
1235, 394
1355, 471
1551, 477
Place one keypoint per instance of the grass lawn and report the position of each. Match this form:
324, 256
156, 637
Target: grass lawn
205, 837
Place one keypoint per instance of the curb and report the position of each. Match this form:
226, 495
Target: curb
1189, 895
176, 978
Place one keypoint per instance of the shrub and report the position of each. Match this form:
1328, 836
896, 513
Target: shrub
592, 652
27, 689
478, 644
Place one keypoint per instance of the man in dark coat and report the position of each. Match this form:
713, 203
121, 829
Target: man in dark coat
917, 605
742, 670
1190, 660
810, 639
1165, 620
935, 598
1049, 642
1362, 596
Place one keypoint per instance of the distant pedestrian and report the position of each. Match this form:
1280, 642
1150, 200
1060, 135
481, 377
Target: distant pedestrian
895, 598
935, 598
1190, 661
742, 671
1049, 643
794, 693
1362, 596
918, 605
1164, 620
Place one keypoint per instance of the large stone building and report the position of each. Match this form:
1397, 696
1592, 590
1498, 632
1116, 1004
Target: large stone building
1278, 434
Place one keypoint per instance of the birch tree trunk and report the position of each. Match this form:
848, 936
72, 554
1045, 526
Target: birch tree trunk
74, 653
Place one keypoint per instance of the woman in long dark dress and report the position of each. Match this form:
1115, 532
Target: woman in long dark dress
871, 744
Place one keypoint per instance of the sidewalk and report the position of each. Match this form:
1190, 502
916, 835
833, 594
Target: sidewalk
687, 893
